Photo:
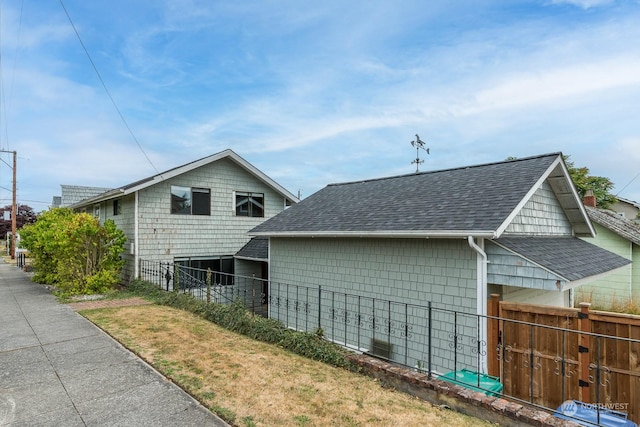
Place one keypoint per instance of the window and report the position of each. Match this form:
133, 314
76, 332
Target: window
190, 201
96, 211
195, 270
116, 207
249, 204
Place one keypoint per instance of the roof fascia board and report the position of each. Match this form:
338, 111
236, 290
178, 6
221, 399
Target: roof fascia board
205, 161
246, 258
526, 198
178, 171
583, 210
488, 234
558, 162
97, 199
187, 168
257, 172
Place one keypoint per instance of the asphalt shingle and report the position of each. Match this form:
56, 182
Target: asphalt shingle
474, 198
623, 227
256, 248
568, 257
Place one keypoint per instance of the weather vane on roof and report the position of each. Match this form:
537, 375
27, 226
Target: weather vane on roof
418, 144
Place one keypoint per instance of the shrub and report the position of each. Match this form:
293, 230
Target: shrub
74, 252
235, 317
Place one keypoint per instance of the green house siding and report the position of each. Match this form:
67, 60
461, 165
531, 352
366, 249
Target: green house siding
364, 274
617, 287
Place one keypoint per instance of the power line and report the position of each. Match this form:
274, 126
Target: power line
630, 182
105, 87
6, 104
5, 162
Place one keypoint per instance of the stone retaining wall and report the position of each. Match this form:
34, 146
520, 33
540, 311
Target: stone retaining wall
463, 400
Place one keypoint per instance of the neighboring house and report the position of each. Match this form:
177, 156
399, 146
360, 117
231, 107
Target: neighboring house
627, 208
449, 237
196, 215
619, 235
72, 194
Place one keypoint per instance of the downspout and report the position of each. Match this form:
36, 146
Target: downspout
136, 225
481, 297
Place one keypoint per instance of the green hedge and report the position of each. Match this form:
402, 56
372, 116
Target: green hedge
235, 317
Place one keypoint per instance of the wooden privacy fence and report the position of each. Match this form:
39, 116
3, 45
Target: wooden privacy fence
547, 355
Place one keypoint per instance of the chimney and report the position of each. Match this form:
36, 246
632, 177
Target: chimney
589, 199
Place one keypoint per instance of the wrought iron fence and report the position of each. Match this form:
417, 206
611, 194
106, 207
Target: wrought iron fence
537, 363
207, 285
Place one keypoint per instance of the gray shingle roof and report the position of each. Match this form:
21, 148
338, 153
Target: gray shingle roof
257, 249
472, 199
568, 257
621, 226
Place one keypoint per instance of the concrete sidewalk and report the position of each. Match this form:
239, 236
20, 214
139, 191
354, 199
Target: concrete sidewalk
58, 369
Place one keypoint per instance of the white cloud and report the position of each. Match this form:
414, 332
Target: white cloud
550, 85
584, 4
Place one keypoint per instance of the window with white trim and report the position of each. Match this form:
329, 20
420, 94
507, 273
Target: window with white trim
249, 204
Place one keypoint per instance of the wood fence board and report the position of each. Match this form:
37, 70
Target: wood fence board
634, 367
549, 372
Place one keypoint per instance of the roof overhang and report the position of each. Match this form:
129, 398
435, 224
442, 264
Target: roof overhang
387, 234
161, 177
557, 175
113, 194
572, 260
245, 258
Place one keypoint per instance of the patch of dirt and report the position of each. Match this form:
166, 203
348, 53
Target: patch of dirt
110, 303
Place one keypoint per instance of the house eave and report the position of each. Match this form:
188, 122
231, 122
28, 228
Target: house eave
118, 192
387, 234
161, 177
230, 154
559, 178
246, 258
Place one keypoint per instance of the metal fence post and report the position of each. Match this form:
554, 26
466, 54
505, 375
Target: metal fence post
430, 316
319, 307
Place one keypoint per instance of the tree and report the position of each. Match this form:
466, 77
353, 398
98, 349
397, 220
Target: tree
25, 216
74, 252
600, 185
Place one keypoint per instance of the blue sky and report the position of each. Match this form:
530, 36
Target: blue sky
313, 93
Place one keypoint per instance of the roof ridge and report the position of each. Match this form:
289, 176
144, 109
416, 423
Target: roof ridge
553, 154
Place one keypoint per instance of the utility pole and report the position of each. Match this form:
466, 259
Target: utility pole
14, 210
14, 206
